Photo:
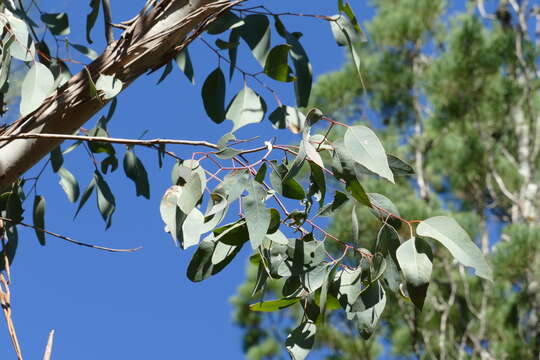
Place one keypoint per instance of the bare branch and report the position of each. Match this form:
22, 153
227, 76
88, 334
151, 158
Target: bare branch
5, 301
70, 239
109, 140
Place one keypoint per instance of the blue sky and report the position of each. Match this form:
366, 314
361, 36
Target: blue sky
141, 305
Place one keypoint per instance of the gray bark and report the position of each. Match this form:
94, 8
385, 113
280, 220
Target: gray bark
150, 41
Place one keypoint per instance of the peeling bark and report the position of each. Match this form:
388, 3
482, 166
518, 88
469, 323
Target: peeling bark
152, 39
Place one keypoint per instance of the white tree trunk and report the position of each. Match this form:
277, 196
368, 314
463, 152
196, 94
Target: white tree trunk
149, 42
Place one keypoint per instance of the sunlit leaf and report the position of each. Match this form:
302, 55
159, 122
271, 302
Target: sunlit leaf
183, 60
365, 148
273, 305
57, 23
256, 33
38, 83
301, 340
448, 232
247, 107
109, 86
69, 184
277, 66
256, 214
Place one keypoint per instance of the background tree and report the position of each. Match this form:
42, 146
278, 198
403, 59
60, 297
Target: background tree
460, 91
237, 192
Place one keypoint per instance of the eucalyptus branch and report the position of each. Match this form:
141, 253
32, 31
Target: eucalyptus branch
67, 238
108, 140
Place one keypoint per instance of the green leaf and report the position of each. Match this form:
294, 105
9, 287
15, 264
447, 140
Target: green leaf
233, 234
399, 167
23, 47
345, 34
313, 279
313, 116
39, 218
86, 195
452, 236
273, 305
183, 60
213, 95
289, 188
358, 192
302, 66
374, 298
200, 266
57, 22
134, 169
256, 33
365, 148
301, 340
166, 72
312, 153
416, 268
109, 86
111, 161
247, 107
226, 45
191, 228
382, 207
234, 36
277, 66
86, 51
329, 209
91, 18
57, 159
10, 248
261, 173
105, 199
388, 242
234, 184
69, 184
224, 22
288, 117
256, 214
38, 83
278, 237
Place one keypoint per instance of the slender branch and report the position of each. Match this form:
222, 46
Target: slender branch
107, 19
69, 239
5, 301
108, 140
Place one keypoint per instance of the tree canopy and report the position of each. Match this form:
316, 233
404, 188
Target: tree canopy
456, 95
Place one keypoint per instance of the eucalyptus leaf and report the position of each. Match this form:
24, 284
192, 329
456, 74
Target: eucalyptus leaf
69, 184
247, 107
301, 340
213, 95
452, 236
39, 218
38, 83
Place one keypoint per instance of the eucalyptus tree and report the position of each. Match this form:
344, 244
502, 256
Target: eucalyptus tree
322, 273
460, 90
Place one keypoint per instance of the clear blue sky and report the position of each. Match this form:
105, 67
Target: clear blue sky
140, 305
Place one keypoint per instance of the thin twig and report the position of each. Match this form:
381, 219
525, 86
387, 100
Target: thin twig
69, 239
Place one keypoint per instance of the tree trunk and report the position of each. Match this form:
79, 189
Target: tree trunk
151, 40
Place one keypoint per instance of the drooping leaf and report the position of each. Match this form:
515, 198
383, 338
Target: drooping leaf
416, 267
367, 320
58, 23
277, 66
69, 184
365, 148
91, 18
39, 218
37, 85
346, 35
86, 195
312, 153
256, 214
134, 169
247, 107
170, 213
256, 33
166, 72
23, 47
191, 228
213, 95
398, 166
452, 236
301, 340
288, 117
234, 36
329, 209
302, 67
234, 184
183, 60
109, 86
105, 199
57, 159
384, 209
